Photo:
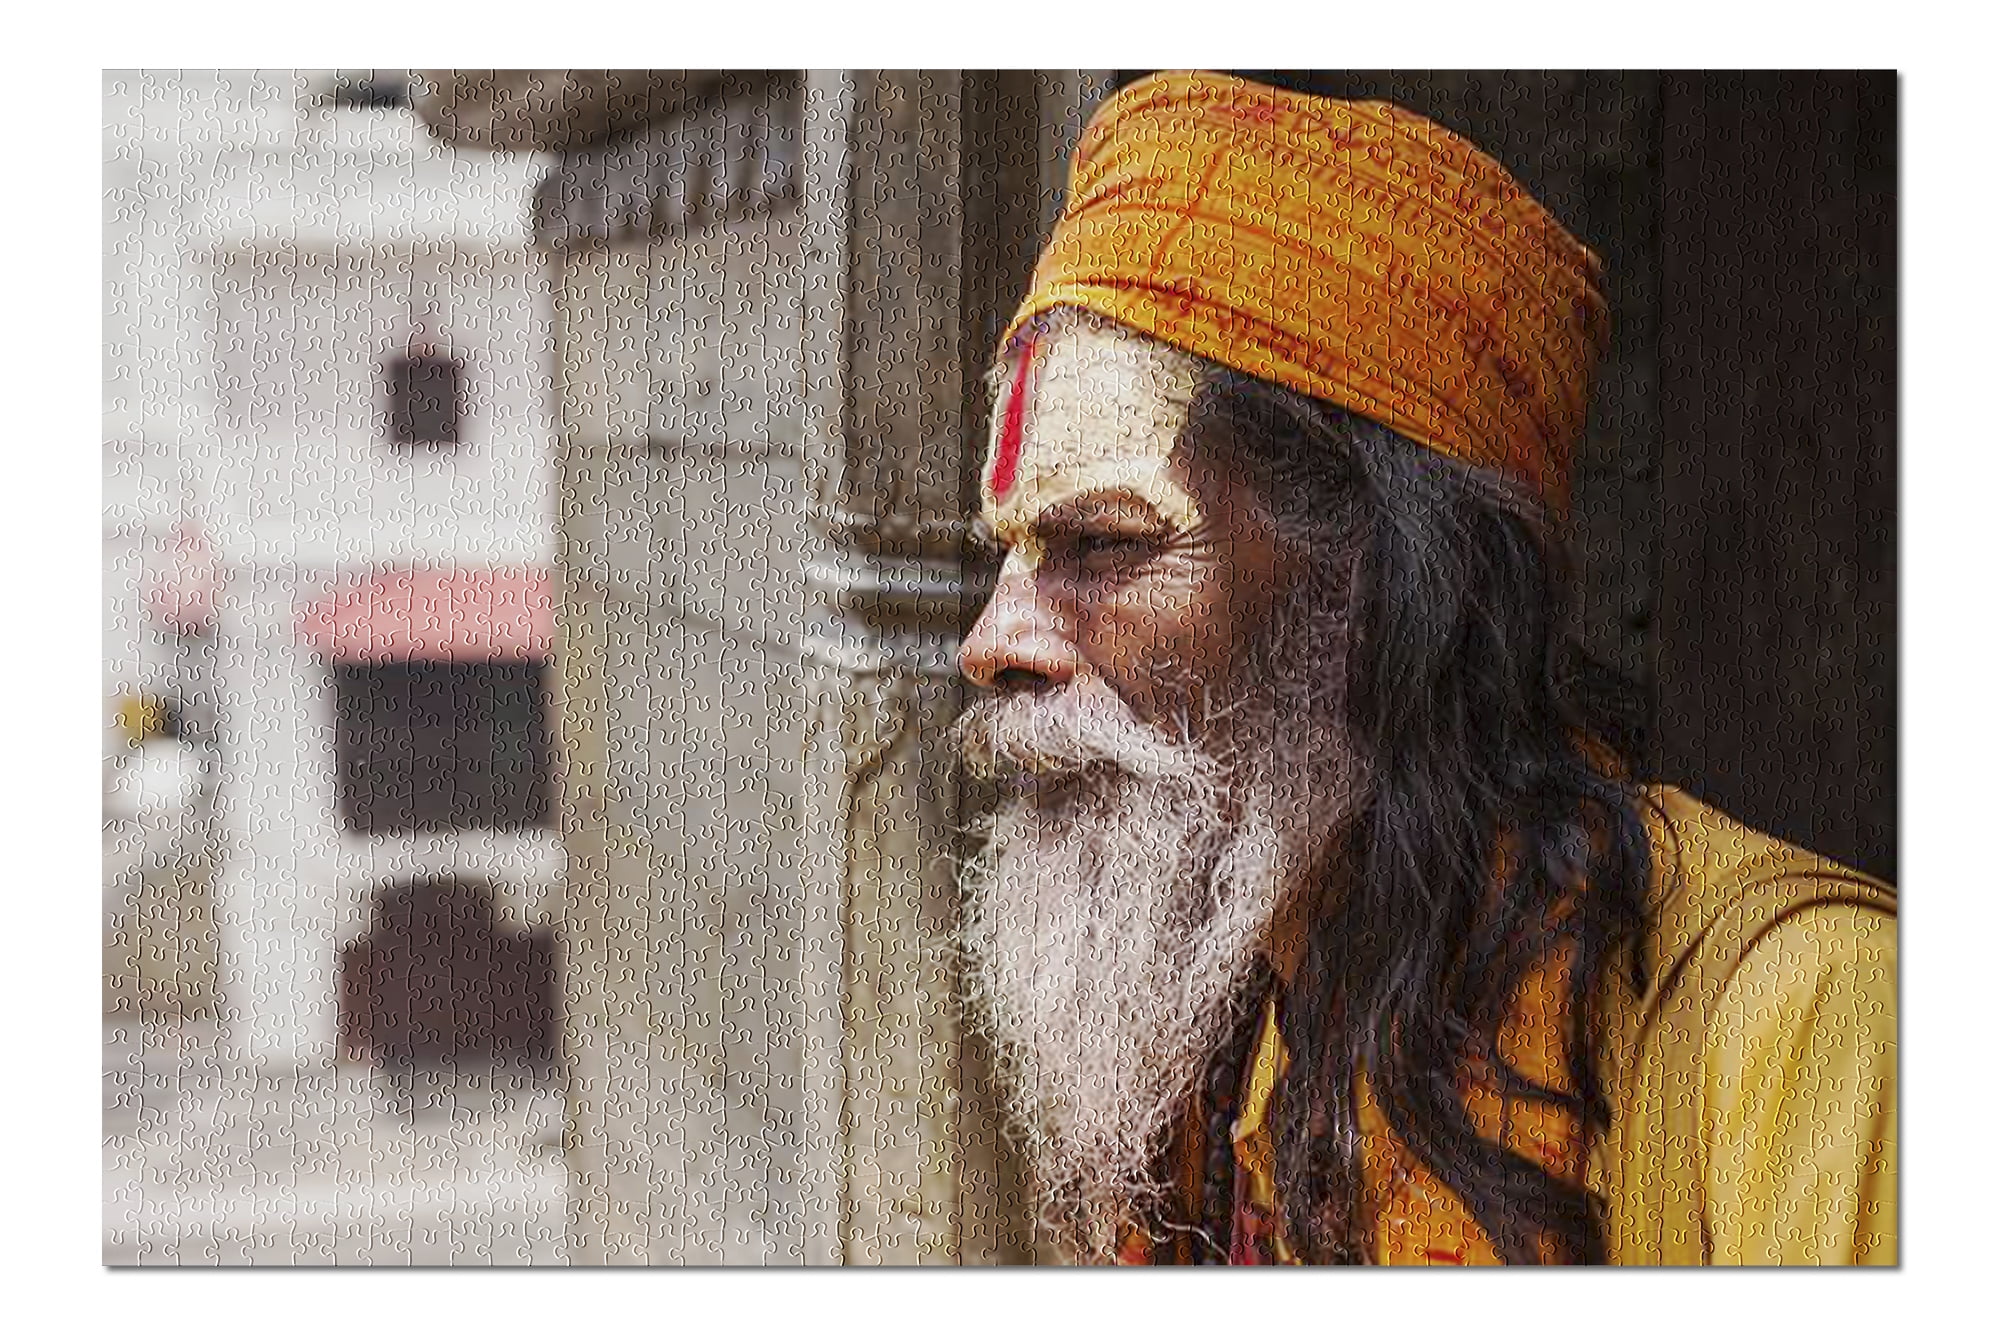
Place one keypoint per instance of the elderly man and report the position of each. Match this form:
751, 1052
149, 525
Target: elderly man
1321, 917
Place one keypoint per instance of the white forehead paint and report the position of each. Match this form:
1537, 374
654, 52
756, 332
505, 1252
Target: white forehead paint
1100, 410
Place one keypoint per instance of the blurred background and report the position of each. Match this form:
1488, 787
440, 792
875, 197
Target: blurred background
535, 546
330, 845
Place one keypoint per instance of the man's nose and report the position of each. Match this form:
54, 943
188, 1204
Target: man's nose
1019, 639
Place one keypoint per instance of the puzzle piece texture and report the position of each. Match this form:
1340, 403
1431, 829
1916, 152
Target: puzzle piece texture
543, 515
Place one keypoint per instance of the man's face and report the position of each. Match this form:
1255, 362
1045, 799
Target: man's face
1123, 564
1168, 769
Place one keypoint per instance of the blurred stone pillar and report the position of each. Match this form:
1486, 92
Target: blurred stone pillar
675, 252
752, 351
922, 199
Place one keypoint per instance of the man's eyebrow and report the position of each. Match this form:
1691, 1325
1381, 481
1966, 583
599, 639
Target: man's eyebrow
1112, 503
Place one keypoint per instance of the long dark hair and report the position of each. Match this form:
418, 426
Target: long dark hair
1484, 729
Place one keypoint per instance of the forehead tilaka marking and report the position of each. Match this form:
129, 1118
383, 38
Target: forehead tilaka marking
1007, 451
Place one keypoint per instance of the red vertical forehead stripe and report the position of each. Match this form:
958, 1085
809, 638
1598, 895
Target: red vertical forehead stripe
1007, 454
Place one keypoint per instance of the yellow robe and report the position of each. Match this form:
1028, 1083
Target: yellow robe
1753, 1086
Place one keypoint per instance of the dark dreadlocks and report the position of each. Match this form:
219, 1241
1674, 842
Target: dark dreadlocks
1475, 713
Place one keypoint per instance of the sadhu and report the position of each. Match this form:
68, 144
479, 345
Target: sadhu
1321, 916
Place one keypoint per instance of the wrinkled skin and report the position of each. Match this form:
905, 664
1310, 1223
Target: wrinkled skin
1110, 573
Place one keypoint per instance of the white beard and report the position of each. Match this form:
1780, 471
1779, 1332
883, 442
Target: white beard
1119, 905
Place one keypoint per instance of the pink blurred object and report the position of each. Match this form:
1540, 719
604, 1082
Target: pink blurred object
448, 614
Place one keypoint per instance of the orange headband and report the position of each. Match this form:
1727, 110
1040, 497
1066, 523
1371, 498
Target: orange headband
1352, 251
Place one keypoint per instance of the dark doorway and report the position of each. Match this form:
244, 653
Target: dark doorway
439, 980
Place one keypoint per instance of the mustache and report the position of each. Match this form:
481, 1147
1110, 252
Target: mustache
1072, 732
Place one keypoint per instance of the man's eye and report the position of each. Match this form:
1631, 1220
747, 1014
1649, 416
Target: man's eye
1110, 547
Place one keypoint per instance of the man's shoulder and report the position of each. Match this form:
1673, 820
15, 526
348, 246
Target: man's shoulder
1719, 886
1771, 986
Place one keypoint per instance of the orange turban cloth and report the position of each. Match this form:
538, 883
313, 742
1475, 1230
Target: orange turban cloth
1352, 251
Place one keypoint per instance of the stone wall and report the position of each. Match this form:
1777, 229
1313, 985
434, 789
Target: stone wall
679, 366
774, 308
